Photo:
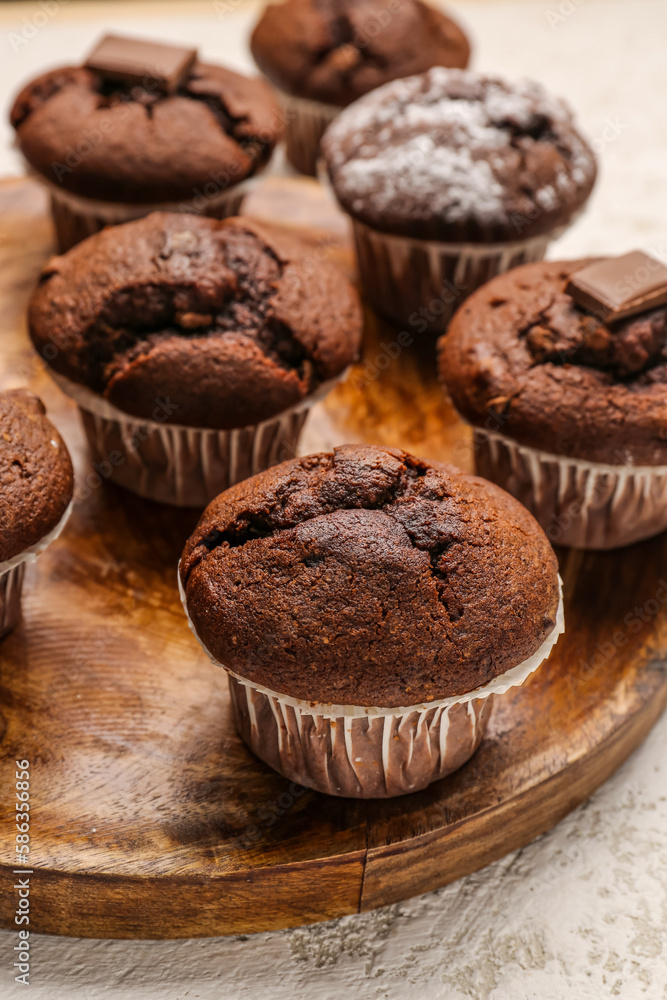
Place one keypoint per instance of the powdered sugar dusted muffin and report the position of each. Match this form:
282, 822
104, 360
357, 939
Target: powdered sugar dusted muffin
451, 177
367, 604
323, 54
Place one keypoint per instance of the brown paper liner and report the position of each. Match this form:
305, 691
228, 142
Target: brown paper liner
370, 752
12, 572
11, 585
305, 124
188, 466
365, 757
179, 465
416, 282
75, 218
584, 505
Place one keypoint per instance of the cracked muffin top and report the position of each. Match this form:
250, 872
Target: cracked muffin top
521, 358
369, 577
337, 50
230, 321
131, 144
36, 478
451, 155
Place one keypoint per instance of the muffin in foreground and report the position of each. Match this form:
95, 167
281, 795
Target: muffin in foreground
367, 606
36, 488
193, 347
568, 400
323, 56
451, 178
143, 126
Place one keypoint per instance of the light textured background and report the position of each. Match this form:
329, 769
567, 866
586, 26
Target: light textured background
582, 913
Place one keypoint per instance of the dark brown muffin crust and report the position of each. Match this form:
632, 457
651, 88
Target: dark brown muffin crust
230, 321
520, 358
134, 145
455, 156
369, 577
336, 50
36, 478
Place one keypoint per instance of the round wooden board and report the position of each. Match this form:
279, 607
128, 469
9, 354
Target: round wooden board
150, 818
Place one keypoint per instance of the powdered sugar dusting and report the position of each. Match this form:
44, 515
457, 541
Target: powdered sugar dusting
459, 146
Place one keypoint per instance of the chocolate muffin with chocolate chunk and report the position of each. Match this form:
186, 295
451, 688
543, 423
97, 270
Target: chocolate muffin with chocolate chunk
449, 178
322, 55
350, 585
214, 336
111, 149
36, 488
569, 409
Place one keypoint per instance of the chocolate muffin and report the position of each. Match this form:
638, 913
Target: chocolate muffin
322, 55
36, 487
111, 150
371, 579
335, 51
214, 337
449, 178
570, 410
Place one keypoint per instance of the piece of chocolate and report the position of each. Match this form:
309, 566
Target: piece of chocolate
618, 287
133, 61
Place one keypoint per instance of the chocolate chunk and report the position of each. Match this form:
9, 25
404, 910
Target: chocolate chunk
581, 387
132, 61
620, 286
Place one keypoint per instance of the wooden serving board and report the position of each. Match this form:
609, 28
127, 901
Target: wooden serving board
149, 817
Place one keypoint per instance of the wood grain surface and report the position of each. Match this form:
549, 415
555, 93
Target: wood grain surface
149, 817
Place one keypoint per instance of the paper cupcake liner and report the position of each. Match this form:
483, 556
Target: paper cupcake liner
76, 218
413, 282
11, 585
12, 573
584, 505
370, 752
176, 464
305, 123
